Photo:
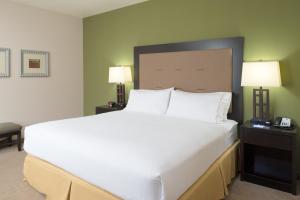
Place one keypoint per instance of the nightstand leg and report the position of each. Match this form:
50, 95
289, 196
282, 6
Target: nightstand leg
241, 152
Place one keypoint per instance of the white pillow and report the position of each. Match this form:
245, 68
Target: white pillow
224, 105
149, 101
208, 107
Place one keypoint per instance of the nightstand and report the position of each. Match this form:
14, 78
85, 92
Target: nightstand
105, 109
268, 157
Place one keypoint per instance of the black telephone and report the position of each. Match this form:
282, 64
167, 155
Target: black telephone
283, 122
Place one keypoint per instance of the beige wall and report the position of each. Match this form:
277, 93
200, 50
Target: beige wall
31, 100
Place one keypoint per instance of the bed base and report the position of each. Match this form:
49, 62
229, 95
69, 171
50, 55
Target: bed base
57, 184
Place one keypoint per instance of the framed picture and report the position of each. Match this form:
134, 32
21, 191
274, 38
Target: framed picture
34, 63
4, 62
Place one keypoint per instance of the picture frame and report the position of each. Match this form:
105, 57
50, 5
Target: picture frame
34, 63
4, 62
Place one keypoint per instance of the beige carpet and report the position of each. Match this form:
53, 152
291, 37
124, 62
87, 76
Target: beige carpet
12, 186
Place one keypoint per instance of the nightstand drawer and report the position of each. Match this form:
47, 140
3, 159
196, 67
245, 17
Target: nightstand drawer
105, 109
266, 139
100, 110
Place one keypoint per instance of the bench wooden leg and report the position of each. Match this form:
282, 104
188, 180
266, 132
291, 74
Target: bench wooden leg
19, 139
10, 141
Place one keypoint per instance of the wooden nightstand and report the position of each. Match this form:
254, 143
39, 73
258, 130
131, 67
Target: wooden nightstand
105, 109
268, 157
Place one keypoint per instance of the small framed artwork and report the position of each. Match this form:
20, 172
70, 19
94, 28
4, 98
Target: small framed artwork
34, 63
4, 62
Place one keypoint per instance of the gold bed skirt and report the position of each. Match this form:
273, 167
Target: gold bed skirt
58, 184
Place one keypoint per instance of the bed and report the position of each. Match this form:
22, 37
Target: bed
146, 157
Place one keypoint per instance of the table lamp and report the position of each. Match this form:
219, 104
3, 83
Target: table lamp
120, 75
261, 74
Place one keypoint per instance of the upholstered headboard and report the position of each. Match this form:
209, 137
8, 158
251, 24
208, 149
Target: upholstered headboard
202, 66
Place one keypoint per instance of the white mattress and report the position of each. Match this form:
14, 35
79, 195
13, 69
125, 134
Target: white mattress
133, 155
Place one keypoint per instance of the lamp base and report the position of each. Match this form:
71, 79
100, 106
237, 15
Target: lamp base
261, 106
121, 95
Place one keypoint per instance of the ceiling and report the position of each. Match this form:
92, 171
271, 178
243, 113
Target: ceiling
79, 8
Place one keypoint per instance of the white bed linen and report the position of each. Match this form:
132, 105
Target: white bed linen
133, 155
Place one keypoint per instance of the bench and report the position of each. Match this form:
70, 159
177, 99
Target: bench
7, 131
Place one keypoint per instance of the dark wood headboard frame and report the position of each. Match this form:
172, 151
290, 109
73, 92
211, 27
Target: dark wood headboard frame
235, 43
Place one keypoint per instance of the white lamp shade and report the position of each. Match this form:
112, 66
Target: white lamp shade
261, 74
119, 74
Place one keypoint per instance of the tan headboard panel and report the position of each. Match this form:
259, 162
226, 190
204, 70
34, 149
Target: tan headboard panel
199, 66
193, 71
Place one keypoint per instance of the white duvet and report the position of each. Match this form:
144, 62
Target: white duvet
132, 155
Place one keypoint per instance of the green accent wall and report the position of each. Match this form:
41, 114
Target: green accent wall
271, 29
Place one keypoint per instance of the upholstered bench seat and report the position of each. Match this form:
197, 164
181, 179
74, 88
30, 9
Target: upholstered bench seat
7, 130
